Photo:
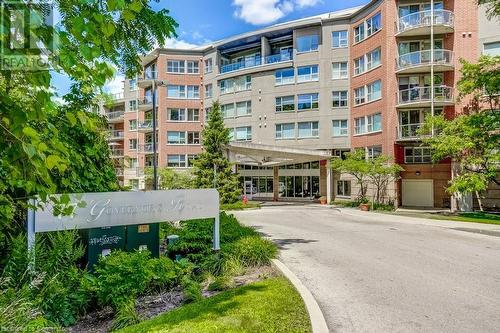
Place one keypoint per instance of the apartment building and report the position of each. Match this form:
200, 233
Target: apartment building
298, 93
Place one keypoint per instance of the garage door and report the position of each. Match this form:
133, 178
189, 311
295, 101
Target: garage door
417, 193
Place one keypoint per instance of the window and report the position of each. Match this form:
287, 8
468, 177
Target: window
417, 155
241, 83
339, 38
193, 67
243, 108
208, 90
193, 115
175, 66
243, 133
307, 43
374, 122
207, 112
285, 104
343, 188
176, 138
359, 95
359, 33
176, 161
308, 129
193, 92
340, 127
359, 125
132, 105
132, 124
359, 65
373, 151
373, 59
307, 73
339, 99
307, 102
193, 138
133, 163
374, 91
373, 25
285, 76
176, 114
190, 159
227, 110
132, 84
208, 65
132, 144
339, 70
285, 131
491, 49
176, 91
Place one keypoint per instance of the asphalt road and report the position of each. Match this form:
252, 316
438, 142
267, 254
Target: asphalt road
381, 273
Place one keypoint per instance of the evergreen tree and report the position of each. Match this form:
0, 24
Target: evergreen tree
215, 137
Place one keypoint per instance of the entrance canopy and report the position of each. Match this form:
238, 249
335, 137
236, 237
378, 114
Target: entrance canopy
247, 153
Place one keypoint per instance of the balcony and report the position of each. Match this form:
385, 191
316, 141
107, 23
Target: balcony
145, 126
146, 80
146, 104
255, 62
134, 172
119, 172
419, 23
421, 97
117, 96
116, 152
115, 135
409, 132
115, 116
420, 62
146, 148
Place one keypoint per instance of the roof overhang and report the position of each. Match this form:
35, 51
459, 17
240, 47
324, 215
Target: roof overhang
248, 153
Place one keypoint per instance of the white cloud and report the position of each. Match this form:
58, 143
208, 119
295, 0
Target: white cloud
115, 85
172, 43
259, 12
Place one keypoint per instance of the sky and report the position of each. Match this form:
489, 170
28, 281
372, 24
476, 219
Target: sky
203, 21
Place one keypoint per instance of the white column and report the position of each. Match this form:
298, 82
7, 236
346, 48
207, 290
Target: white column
329, 182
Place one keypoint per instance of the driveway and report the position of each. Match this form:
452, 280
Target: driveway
374, 272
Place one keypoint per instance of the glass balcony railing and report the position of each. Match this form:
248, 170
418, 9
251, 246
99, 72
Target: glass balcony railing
442, 94
408, 131
114, 115
117, 152
145, 125
275, 58
423, 19
422, 58
257, 61
117, 96
146, 148
115, 134
149, 75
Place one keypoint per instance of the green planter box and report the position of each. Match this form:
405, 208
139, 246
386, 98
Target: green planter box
144, 236
101, 241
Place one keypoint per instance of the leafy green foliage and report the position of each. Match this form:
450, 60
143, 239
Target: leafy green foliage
169, 179
492, 8
355, 165
125, 316
213, 159
253, 251
191, 290
381, 173
472, 138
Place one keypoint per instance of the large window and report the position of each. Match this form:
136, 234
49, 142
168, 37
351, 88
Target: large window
243, 108
132, 84
373, 151
307, 73
176, 138
343, 188
193, 138
340, 127
374, 122
243, 133
285, 104
367, 61
132, 105
174, 91
307, 102
359, 125
183, 114
374, 91
285, 131
227, 110
241, 83
308, 129
208, 90
359, 95
176, 161
307, 43
208, 65
339, 99
285, 76
417, 155
132, 124
339, 70
193, 67
367, 28
193, 92
359, 65
339, 39
175, 66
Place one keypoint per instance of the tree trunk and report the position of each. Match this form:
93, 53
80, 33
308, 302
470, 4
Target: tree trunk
479, 201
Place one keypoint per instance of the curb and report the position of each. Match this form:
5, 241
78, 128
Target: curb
318, 322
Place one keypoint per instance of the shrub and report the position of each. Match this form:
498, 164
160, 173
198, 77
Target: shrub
191, 290
125, 316
221, 283
253, 251
163, 273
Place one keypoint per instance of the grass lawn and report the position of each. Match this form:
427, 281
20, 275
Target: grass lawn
271, 305
239, 206
476, 217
